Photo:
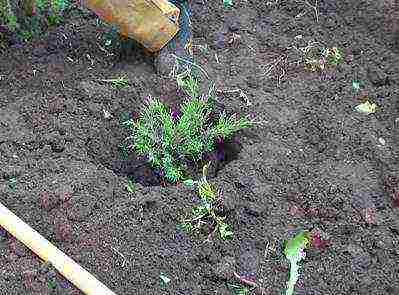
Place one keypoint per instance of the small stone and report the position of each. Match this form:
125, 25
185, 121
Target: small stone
382, 141
377, 77
107, 114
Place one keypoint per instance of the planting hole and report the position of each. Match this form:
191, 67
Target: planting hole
138, 170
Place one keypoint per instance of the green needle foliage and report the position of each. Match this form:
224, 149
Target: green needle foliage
171, 143
120, 82
334, 55
207, 209
7, 16
31, 18
318, 59
239, 290
189, 84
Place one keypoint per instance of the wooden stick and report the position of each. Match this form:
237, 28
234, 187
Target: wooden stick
72, 271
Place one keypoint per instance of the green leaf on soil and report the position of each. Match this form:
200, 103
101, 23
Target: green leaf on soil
356, 86
228, 3
12, 183
294, 252
366, 108
164, 279
189, 182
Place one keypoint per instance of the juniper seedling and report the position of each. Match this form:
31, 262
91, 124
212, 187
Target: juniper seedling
171, 142
209, 198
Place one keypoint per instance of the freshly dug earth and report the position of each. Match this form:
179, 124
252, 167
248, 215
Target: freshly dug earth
311, 163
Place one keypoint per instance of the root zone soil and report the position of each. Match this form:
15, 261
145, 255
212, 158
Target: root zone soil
313, 163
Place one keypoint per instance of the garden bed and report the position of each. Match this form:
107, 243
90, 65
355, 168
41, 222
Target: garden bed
311, 163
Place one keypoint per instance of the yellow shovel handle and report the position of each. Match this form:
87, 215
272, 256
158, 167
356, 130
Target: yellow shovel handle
146, 21
72, 271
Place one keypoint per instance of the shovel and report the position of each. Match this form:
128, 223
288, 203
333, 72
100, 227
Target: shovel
153, 23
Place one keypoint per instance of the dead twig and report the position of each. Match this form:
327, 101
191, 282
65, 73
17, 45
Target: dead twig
242, 95
281, 76
245, 281
216, 58
275, 63
272, 3
304, 50
262, 281
202, 48
314, 7
191, 63
123, 256
106, 51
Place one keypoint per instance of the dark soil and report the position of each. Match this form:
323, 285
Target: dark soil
313, 163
